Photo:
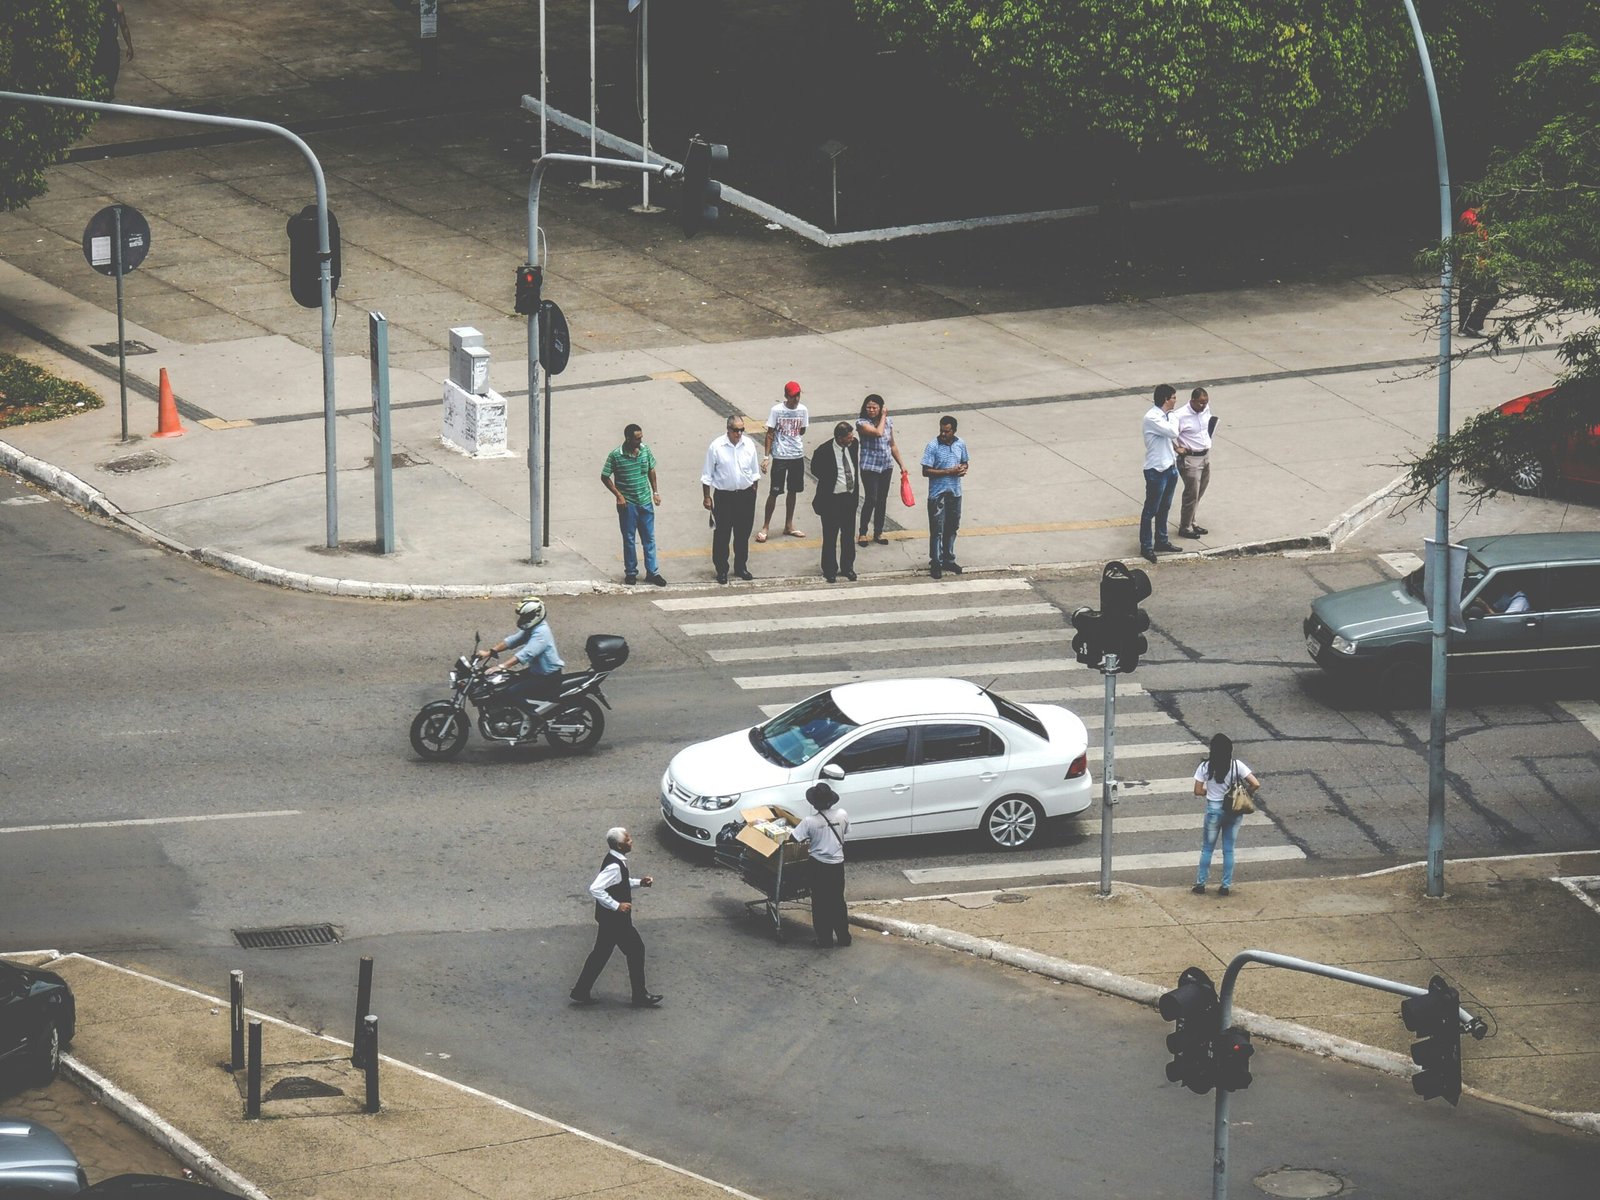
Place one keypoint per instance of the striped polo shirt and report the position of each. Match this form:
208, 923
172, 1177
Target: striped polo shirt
632, 473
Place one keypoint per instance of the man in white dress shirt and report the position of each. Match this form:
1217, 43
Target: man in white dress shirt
732, 470
612, 890
1160, 472
1195, 426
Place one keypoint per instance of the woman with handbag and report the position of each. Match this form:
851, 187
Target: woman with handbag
1229, 789
876, 431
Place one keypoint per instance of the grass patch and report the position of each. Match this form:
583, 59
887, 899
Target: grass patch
29, 393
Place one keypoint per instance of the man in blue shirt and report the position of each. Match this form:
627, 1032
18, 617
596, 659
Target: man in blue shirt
944, 463
535, 658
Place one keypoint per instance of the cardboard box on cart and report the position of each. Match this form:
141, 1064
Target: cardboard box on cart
759, 840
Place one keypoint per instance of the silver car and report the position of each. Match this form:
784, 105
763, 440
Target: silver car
35, 1161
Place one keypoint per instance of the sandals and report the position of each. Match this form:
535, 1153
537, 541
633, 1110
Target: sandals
794, 533
761, 536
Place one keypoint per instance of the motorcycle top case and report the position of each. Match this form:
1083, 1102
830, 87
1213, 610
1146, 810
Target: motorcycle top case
606, 651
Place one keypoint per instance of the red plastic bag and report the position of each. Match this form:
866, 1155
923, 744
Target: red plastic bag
907, 496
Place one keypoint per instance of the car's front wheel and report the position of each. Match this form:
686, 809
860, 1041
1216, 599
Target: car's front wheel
1012, 822
46, 1058
1530, 475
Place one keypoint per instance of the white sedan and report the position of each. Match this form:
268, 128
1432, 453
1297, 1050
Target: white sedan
916, 756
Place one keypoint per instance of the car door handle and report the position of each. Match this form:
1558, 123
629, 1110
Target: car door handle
989, 776
900, 787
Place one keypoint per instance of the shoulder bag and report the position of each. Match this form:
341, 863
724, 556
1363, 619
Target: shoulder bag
1237, 800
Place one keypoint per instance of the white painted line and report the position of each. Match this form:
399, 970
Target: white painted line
1128, 789
854, 619
1120, 824
245, 816
1585, 712
1092, 691
977, 672
1400, 564
1083, 866
1125, 720
821, 594
26, 500
1579, 886
1151, 750
853, 646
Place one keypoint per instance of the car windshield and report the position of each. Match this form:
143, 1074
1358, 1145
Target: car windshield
1474, 576
798, 735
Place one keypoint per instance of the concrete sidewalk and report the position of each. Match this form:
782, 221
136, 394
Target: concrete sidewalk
1515, 936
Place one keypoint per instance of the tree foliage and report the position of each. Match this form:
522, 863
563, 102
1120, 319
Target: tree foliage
1540, 203
1244, 83
47, 47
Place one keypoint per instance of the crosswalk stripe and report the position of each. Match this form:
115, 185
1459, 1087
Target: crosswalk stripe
976, 671
1159, 824
1131, 788
1585, 712
1125, 720
1150, 750
943, 641
1082, 691
850, 595
1085, 866
853, 619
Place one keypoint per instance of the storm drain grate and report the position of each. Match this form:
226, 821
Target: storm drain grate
286, 937
301, 1087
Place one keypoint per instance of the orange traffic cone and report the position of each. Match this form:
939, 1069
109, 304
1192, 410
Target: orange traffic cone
167, 420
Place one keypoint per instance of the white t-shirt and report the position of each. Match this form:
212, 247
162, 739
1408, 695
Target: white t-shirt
823, 844
1216, 792
788, 427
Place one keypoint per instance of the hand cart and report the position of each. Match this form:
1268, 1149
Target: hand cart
778, 881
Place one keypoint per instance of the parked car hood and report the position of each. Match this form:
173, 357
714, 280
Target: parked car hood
1375, 610
724, 765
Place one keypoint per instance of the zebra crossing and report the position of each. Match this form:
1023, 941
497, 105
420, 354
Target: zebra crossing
1001, 633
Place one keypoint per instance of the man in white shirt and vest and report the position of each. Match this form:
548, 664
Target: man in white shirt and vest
1195, 426
612, 890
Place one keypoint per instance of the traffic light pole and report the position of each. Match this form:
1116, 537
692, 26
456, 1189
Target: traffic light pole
1108, 773
536, 431
324, 257
1219, 1157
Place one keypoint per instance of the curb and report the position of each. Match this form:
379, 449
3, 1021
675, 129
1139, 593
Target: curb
1288, 1033
76, 491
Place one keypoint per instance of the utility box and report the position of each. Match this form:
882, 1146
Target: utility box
475, 424
469, 360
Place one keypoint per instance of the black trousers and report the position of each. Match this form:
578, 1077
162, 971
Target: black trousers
829, 917
735, 515
838, 515
874, 499
616, 932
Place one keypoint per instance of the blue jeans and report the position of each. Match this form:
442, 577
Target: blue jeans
1229, 829
944, 521
640, 517
1158, 489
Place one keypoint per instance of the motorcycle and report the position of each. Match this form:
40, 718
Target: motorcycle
570, 720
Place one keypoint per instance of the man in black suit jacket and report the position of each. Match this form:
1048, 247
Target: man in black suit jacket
836, 466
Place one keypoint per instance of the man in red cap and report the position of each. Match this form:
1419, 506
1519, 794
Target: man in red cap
786, 454
1475, 295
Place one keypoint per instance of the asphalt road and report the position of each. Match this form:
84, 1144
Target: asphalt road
139, 687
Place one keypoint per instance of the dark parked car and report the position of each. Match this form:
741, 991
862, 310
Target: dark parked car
1574, 458
1530, 601
35, 1162
37, 1018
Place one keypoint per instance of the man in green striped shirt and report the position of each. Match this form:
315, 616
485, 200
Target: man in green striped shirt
630, 476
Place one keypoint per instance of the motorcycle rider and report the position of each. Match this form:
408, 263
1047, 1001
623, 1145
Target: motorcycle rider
534, 659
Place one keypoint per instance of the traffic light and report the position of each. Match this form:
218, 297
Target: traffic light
529, 280
1231, 1053
1121, 618
699, 193
1193, 1005
1435, 1019
1089, 642
305, 277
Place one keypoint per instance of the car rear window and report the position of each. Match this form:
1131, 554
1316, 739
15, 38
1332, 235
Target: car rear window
1018, 715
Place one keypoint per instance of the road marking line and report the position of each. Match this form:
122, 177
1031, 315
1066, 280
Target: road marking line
1038, 666
1150, 750
1085, 866
1129, 788
245, 816
853, 619
1400, 564
1585, 712
877, 591
1194, 820
1125, 720
1092, 691
26, 500
1017, 637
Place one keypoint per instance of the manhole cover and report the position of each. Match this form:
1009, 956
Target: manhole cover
286, 937
109, 349
1299, 1183
144, 460
1010, 898
300, 1087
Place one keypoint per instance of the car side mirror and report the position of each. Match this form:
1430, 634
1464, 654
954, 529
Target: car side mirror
833, 771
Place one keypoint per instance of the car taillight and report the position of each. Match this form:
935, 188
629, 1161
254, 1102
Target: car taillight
1078, 767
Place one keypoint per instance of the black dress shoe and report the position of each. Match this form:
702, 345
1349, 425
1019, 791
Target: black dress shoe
880, 540
655, 579
1148, 555
936, 571
630, 580
831, 578
579, 999
648, 1000
953, 567
1166, 548
1201, 530
1188, 533
722, 577
744, 575
850, 575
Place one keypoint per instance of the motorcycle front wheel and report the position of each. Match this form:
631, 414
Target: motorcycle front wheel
577, 727
439, 731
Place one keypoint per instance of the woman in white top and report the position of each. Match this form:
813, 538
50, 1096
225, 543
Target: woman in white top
1212, 779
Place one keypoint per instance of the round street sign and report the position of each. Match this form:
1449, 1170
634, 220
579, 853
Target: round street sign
555, 341
101, 232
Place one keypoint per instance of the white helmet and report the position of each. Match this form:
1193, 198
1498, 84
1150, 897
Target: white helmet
530, 612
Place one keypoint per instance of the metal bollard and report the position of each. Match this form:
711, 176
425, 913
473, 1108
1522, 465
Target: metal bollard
252, 1090
236, 1020
363, 1007
371, 1060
